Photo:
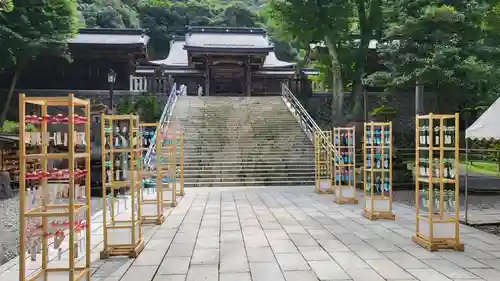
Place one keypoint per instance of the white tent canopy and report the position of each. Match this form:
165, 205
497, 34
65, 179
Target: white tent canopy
487, 126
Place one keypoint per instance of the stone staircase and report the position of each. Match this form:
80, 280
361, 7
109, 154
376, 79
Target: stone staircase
240, 141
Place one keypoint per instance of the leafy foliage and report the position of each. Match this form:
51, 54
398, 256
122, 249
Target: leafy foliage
108, 14
162, 18
384, 112
13, 127
31, 29
6, 5
146, 106
445, 47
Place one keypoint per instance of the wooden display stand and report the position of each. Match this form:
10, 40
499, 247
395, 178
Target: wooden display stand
54, 226
121, 158
167, 162
436, 185
323, 160
344, 183
180, 150
377, 171
151, 195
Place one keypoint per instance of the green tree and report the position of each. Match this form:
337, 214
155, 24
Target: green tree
6, 5
163, 19
146, 106
307, 22
34, 28
109, 14
369, 26
445, 47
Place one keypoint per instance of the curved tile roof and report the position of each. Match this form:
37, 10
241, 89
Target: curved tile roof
110, 36
229, 40
176, 57
272, 61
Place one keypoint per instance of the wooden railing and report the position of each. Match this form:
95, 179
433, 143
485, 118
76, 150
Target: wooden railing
140, 84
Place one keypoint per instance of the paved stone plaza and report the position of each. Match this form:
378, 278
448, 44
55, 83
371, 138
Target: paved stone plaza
292, 234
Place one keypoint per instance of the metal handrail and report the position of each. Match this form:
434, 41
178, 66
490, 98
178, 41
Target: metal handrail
164, 120
306, 121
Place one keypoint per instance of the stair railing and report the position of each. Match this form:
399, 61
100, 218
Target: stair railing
307, 123
164, 121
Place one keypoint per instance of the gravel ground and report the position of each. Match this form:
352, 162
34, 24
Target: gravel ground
9, 222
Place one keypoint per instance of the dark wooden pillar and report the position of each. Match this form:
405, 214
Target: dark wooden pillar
248, 77
207, 76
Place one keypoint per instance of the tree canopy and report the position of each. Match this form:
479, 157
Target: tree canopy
448, 46
33, 28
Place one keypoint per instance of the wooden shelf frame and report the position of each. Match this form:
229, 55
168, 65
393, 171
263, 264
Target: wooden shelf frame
74, 269
323, 162
122, 233
152, 202
437, 163
167, 159
180, 151
344, 182
377, 166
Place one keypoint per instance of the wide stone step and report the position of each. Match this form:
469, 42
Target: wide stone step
264, 150
250, 170
216, 176
236, 157
225, 143
245, 163
251, 183
251, 178
257, 157
241, 166
278, 151
252, 115
247, 138
241, 134
220, 147
225, 128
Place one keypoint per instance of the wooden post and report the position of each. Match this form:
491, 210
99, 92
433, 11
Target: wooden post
207, 76
248, 77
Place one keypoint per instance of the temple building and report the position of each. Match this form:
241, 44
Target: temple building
93, 53
224, 61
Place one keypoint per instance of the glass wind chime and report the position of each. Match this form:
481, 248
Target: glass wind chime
148, 183
449, 170
345, 141
378, 138
56, 192
121, 161
55, 229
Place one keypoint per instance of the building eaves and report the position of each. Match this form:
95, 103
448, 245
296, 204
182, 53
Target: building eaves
109, 36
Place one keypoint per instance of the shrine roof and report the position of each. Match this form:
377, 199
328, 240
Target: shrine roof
177, 57
227, 38
272, 61
110, 36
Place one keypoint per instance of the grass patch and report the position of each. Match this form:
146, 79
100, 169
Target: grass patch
482, 167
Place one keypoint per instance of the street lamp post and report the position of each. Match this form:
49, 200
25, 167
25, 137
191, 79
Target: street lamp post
364, 83
111, 81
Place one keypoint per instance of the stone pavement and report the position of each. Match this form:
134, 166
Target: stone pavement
292, 234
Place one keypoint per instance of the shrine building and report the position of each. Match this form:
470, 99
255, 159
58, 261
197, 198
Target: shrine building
224, 61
